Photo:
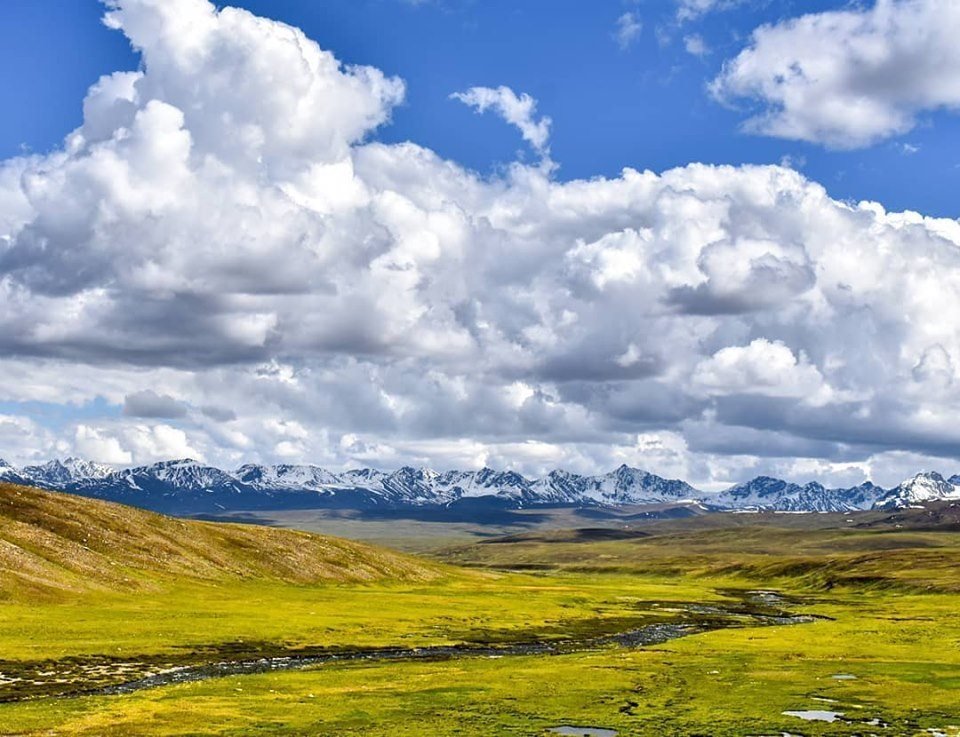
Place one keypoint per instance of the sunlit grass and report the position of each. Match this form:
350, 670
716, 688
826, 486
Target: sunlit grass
889, 602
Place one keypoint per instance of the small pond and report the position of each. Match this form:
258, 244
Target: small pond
815, 715
584, 731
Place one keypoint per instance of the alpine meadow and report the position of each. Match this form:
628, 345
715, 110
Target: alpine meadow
440, 367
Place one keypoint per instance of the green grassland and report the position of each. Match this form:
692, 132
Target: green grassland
86, 587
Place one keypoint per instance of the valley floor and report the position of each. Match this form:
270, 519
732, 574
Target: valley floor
880, 653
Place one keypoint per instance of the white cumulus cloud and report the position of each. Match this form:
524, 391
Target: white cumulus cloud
848, 78
517, 110
224, 249
762, 367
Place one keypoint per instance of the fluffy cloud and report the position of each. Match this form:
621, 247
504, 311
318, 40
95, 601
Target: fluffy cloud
849, 78
627, 30
223, 230
23, 440
96, 445
138, 443
762, 367
518, 110
688, 10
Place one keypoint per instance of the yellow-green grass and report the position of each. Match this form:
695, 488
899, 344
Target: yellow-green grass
449, 610
56, 545
790, 556
902, 648
891, 598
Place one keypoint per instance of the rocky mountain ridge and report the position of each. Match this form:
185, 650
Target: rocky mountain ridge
188, 486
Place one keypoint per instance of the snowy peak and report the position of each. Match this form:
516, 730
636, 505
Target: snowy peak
561, 487
485, 482
362, 476
767, 493
762, 486
181, 478
757, 492
286, 477
624, 485
184, 474
66, 471
189, 486
928, 486
10, 474
633, 485
411, 485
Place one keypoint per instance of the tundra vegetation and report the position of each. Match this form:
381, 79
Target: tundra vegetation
825, 624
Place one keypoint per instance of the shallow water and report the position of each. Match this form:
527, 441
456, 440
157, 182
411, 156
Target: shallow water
584, 731
654, 634
815, 715
106, 676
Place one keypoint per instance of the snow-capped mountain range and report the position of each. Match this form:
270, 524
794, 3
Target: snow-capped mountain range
188, 486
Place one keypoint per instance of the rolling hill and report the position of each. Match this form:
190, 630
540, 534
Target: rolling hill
53, 542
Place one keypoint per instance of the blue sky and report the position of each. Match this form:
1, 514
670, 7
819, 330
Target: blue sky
643, 106
454, 234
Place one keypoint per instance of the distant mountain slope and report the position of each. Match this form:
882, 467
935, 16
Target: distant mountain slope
11, 475
921, 489
66, 471
766, 493
942, 516
624, 485
51, 542
191, 487
178, 487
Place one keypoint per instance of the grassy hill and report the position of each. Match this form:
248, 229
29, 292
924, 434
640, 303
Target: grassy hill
99, 594
909, 550
53, 543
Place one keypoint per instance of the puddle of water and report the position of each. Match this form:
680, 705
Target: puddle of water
772, 597
584, 731
815, 715
844, 677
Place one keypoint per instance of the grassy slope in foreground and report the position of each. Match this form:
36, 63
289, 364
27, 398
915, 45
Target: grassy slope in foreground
55, 545
83, 578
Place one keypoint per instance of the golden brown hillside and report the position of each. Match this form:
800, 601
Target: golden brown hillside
53, 542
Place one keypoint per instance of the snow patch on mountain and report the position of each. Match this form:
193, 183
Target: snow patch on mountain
770, 494
624, 485
925, 487
187, 485
10, 474
66, 471
287, 477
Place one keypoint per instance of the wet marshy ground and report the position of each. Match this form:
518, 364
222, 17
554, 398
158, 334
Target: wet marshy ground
655, 623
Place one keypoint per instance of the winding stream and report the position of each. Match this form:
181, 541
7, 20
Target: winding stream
102, 676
